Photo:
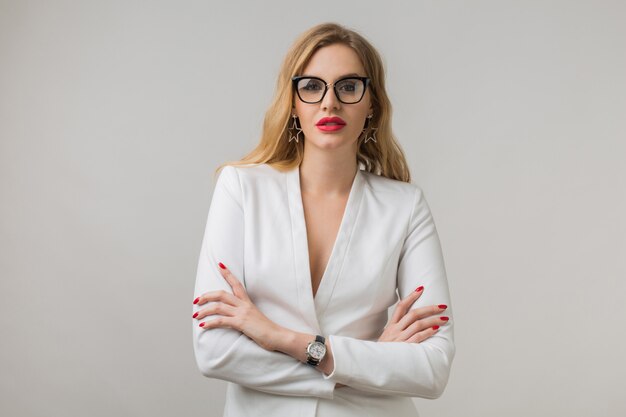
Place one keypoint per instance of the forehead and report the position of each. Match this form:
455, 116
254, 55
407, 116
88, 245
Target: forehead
334, 61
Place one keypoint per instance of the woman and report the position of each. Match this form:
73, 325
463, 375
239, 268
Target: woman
303, 253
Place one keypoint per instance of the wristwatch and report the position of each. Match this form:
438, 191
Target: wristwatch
315, 351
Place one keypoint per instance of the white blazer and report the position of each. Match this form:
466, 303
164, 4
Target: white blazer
387, 241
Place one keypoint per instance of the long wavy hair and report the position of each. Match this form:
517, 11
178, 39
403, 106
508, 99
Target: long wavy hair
384, 157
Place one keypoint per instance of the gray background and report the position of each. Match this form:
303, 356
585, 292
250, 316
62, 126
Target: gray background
114, 114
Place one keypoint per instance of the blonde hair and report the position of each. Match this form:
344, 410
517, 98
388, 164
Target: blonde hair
384, 157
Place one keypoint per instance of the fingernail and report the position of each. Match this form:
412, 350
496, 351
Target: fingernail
435, 327
444, 318
420, 288
202, 324
195, 315
196, 300
443, 306
222, 266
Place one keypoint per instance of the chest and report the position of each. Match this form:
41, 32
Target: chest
312, 263
323, 219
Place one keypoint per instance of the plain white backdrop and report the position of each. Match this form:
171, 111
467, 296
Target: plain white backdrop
114, 114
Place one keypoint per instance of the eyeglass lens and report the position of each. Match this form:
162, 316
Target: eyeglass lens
349, 90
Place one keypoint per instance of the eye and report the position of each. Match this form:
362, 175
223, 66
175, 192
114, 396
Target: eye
311, 85
348, 85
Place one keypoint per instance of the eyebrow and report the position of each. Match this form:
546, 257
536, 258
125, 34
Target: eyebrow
352, 74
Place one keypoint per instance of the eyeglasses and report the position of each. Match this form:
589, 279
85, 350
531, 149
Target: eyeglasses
349, 90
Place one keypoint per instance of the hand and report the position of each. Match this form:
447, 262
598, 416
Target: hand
237, 312
413, 325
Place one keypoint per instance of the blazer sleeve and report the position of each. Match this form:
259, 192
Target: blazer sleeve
226, 353
405, 368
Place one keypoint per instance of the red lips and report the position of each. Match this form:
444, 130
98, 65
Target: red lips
334, 120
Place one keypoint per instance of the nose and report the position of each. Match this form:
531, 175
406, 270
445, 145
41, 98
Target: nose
330, 99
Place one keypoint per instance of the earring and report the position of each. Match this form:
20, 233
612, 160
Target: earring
370, 131
294, 126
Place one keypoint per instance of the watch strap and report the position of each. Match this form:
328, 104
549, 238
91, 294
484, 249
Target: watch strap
311, 360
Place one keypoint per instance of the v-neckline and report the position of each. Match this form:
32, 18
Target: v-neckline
334, 264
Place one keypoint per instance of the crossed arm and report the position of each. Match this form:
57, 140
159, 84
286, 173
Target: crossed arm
245, 347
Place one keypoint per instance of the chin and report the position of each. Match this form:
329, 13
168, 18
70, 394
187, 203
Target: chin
330, 141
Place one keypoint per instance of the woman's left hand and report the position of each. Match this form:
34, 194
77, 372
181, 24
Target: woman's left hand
237, 312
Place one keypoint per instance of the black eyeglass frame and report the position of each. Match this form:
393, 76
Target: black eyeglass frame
294, 80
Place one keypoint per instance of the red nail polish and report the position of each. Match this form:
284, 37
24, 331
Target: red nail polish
444, 318
196, 300
195, 315
420, 288
222, 266
202, 324
442, 306
435, 327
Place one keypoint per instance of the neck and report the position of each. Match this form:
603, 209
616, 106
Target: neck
327, 174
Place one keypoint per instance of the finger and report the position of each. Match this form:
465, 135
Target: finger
215, 308
220, 295
403, 305
424, 334
420, 325
235, 284
419, 313
226, 322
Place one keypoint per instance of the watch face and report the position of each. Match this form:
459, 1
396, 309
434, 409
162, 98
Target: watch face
317, 350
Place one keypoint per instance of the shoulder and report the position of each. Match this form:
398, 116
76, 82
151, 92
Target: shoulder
256, 169
406, 200
395, 190
252, 178
252, 173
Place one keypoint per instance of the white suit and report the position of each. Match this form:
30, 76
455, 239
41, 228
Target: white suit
387, 240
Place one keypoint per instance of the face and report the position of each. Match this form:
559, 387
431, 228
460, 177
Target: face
332, 63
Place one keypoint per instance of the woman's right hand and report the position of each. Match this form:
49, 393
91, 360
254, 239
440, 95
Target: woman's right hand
415, 325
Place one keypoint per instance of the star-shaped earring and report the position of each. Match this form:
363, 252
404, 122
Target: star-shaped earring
371, 131
373, 136
294, 126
